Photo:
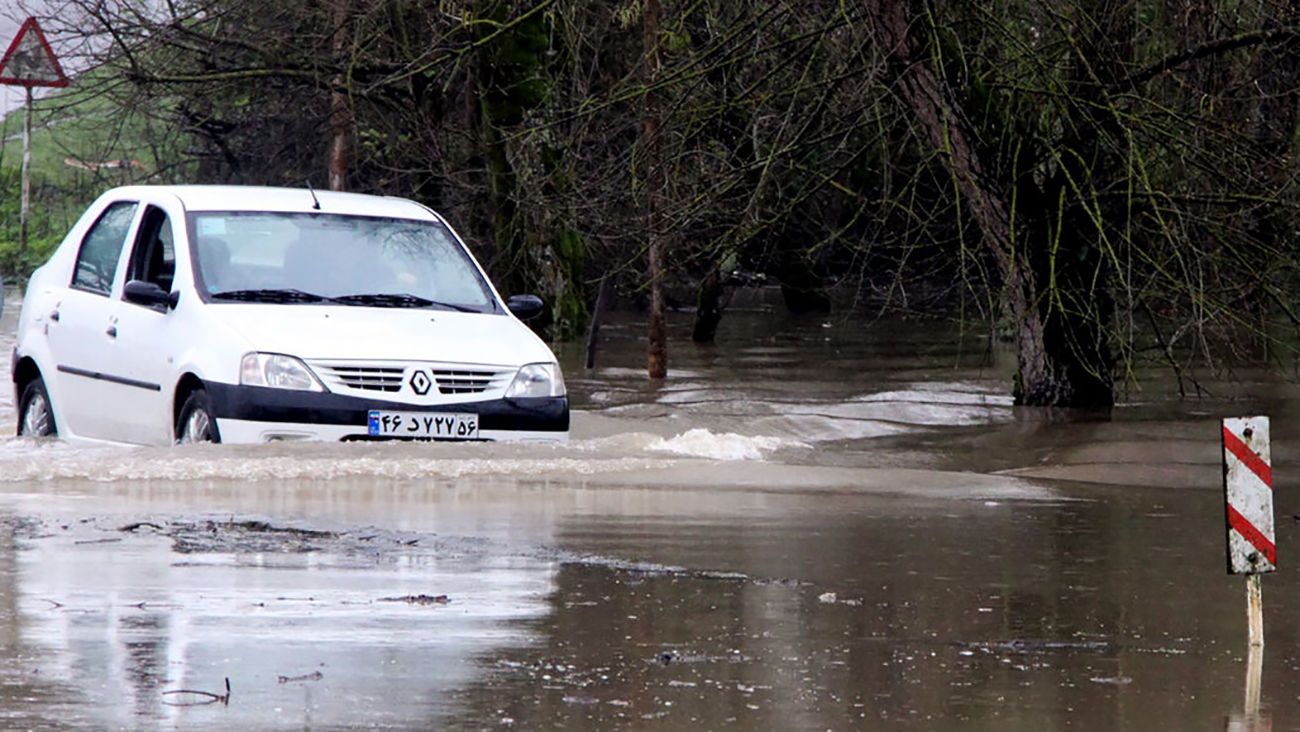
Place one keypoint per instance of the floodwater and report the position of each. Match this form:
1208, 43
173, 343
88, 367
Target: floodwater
816, 524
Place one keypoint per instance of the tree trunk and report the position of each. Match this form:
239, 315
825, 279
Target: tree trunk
340, 110
657, 360
501, 187
511, 53
802, 288
1050, 371
708, 310
593, 334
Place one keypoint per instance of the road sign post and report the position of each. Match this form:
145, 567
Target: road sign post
29, 62
1248, 501
25, 205
1248, 493
1248, 512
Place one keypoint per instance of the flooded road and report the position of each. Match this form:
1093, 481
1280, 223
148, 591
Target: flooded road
817, 524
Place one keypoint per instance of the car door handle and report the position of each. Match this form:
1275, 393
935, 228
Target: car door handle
54, 315
112, 331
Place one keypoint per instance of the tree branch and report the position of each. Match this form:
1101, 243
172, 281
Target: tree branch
1210, 48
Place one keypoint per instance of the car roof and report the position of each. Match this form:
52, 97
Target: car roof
263, 198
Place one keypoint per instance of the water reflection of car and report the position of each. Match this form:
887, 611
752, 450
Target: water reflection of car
233, 314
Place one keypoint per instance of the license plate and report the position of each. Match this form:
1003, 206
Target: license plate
436, 425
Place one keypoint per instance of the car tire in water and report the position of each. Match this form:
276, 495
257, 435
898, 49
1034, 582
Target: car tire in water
35, 415
196, 422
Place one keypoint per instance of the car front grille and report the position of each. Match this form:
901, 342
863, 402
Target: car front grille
369, 378
397, 377
463, 382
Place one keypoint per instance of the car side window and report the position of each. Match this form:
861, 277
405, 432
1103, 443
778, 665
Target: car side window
102, 247
154, 257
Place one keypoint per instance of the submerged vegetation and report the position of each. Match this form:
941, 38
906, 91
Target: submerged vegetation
1107, 181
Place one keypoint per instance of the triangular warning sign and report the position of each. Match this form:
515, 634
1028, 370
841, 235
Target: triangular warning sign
30, 61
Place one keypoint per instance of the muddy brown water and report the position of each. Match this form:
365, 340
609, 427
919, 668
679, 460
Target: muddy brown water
817, 524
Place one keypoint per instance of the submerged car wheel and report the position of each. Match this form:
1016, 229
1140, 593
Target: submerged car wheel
35, 416
196, 423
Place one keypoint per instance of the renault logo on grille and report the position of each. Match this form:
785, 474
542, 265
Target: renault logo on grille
420, 382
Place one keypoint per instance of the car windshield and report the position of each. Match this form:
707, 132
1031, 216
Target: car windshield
350, 260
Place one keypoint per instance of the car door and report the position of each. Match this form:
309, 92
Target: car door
143, 336
78, 325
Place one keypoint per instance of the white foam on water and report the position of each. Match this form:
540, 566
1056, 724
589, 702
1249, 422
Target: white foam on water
618, 442
913, 412
806, 428
943, 393
701, 442
22, 460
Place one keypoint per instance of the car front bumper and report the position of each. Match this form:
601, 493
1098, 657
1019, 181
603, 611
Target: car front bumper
259, 414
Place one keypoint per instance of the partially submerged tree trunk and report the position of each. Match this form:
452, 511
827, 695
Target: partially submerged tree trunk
1062, 360
708, 309
657, 359
802, 289
593, 333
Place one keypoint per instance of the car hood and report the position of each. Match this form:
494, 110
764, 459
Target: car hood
390, 334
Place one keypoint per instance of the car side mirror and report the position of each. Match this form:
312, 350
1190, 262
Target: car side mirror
525, 307
149, 293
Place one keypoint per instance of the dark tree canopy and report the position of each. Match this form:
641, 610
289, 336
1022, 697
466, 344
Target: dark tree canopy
1104, 181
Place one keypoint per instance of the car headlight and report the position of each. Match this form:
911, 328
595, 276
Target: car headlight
537, 380
277, 371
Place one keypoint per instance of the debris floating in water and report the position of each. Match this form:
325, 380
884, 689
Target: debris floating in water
195, 697
419, 599
313, 676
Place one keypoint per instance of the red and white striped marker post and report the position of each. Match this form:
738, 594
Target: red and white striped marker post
1248, 490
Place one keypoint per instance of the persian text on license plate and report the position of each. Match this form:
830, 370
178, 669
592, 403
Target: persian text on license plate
437, 425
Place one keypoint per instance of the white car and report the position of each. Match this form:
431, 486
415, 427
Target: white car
242, 314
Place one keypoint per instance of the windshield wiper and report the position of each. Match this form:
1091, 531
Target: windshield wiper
399, 300
284, 295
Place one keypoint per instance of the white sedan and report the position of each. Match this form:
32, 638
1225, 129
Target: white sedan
241, 314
